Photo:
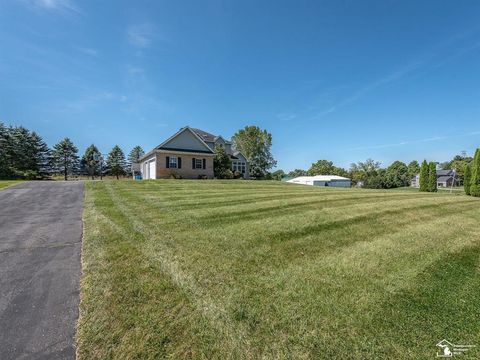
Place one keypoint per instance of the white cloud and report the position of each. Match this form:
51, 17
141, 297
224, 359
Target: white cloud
430, 60
65, 6
411, 142
135, 70
141, 35
88, 51
390, 78
92, 100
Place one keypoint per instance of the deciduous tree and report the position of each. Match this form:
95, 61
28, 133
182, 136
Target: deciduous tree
413, 169
326, 167
363, 171
255, 144
396, 175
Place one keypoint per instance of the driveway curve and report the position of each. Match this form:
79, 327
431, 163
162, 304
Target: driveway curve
40, 245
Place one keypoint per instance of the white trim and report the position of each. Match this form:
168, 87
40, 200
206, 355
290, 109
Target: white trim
239, 165
236, 152
162, 151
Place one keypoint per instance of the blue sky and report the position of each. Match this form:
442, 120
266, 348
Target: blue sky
337, 80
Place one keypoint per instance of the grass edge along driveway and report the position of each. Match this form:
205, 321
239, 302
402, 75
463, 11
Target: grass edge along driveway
7, 183
244, 269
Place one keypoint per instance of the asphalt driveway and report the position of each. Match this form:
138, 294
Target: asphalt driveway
40, 244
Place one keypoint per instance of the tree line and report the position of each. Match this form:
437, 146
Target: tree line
467, 171
370, 174
25, 155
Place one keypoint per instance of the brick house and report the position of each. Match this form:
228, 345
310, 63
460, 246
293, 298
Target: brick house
189, 154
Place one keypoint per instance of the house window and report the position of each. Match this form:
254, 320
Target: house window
173, 162
198, 164
239, 166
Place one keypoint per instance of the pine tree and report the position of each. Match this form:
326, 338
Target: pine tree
41, 155
424, 176
116, 162
432, 177
134, 156
466, 179
475, 179
21, 155
65, 157
5, 171
90, 160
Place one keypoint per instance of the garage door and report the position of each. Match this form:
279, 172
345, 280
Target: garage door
151, 169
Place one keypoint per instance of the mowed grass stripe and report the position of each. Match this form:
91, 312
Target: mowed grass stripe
129, 315
310, 282
365, 269
234, 337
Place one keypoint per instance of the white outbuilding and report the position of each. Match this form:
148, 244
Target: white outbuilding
322, 180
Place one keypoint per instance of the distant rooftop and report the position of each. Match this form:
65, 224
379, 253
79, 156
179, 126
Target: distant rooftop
444, 172
318, 178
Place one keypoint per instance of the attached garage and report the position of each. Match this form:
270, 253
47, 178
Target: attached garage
149, 169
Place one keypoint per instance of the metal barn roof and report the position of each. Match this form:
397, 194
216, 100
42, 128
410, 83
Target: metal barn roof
303, 179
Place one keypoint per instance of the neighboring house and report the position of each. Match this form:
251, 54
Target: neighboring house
445, 178
322, 180
189, 154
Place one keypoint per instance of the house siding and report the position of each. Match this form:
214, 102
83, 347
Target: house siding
185, 140
186, 172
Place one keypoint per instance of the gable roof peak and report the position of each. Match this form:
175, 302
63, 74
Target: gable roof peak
183, 129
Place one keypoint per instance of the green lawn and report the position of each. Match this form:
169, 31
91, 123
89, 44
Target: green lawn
268, 270
5, 183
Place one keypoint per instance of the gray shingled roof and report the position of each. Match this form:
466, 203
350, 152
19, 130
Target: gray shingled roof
206, 136
444, 178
